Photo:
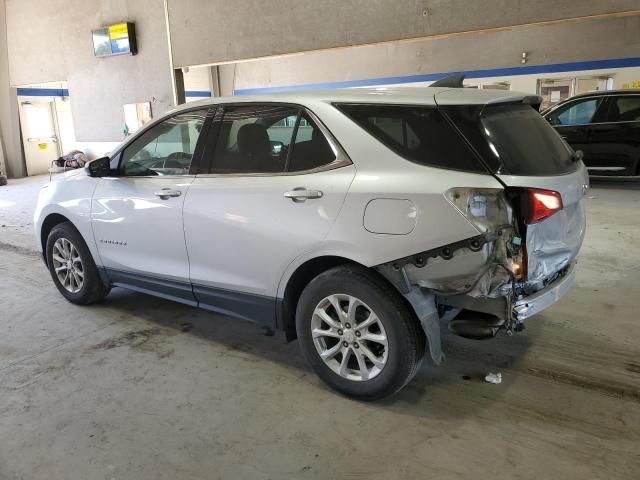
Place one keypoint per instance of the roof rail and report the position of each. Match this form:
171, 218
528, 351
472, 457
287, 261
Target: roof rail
452, 81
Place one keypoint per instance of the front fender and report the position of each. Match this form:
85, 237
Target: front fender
71, 198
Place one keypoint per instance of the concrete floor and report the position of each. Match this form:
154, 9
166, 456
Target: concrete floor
141, 388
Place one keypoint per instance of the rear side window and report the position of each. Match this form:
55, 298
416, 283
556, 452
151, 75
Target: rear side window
310, 149
624, 109
254, 139
418, 133
268, 139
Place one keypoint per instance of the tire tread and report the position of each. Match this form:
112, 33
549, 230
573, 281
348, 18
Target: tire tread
97, 289
411, 356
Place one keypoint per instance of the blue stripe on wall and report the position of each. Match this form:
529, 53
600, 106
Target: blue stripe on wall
432, 77
197, 93
63, 92
43, 92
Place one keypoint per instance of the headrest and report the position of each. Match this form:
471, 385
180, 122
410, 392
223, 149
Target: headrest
253, 139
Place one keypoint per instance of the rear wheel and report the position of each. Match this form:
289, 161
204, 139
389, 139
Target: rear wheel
72, 267
358, 334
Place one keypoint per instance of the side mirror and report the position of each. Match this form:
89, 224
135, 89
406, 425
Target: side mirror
100, 167
577, 156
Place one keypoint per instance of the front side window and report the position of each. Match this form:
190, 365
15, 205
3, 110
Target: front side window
624, 109
577, 113
166, 148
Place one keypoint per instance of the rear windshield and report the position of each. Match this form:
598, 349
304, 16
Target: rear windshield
421, 134
514, 140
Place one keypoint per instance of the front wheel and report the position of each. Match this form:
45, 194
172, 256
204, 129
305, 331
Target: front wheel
358, 334
72, 267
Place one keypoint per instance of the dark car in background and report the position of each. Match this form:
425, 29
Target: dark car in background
605, 126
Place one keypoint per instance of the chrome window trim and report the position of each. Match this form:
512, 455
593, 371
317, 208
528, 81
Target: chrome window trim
612, 169
325, 168
596, 123
341, 160
163, 177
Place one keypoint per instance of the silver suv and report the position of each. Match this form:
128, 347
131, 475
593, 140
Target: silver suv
359, 221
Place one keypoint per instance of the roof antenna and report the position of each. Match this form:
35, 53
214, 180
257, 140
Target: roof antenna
452, 81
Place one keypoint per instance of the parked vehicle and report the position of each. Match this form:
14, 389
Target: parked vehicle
606, 127
384, 214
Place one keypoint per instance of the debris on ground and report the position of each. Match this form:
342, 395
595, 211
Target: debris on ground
495, 378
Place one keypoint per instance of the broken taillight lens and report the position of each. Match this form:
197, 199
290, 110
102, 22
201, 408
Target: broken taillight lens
543, 204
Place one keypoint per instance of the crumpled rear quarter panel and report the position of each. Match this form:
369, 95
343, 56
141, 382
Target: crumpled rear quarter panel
554, 243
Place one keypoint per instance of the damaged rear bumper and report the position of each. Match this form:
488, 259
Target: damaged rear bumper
516, 310
537, 302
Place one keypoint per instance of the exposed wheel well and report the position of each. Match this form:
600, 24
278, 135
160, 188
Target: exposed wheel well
51, 221
300, 279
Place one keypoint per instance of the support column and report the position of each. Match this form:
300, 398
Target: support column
214, 81
179, 86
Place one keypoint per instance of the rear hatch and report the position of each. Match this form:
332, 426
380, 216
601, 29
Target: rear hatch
542, 176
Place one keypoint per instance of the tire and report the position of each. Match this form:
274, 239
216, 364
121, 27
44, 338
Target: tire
3, 180
397, 340
85, 286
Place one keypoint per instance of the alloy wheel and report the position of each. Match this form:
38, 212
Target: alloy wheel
349, 337
68, 265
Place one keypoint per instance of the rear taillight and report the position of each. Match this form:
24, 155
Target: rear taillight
543, 204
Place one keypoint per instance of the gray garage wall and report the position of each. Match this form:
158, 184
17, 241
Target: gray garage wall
208, 31
50, 40
596, 39
12, 163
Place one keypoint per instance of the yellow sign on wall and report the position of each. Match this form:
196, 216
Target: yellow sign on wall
43, 146
118, 31
634, 84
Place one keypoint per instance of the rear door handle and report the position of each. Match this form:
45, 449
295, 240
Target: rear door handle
301, 194
165, 193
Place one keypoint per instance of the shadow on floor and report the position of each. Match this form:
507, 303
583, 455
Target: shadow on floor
467, 362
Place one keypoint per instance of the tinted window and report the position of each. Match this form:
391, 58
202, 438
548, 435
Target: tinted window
624, 109
310, 149
420, 134
524, 143
577, 113
165, 149
254, 139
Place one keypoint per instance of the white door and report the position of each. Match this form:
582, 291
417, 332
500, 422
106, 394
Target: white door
137, 215
264, 203
39, 135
